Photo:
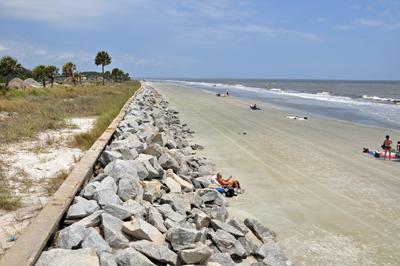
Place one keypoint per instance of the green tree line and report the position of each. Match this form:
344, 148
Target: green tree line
9, 66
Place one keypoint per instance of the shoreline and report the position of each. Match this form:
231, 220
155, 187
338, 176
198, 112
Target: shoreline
368, 113
307, 180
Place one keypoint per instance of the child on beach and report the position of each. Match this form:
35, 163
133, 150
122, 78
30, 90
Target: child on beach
388, 146
233, 183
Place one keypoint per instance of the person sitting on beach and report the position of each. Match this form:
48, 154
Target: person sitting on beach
255, 106
226, 183
388, 146
227, 93
398, 147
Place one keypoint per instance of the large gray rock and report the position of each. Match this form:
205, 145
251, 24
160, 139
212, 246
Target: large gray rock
137, 145
204, 170
126, 189
170, 224
150, 169
226, 227
120, 169
156, 252
208, 196
182, 238
167, 162
227, 243
107, 259
248, 245
118, 211
200, 219
108, 157
88, 191
127, 154
112, 229
261, 232
140, 170
140, 229
154, 150
108, 182
106, 196
217, 213
223, 259
199, 254
92, 220
158, 138
65, 257
70, 237
155, 219
131, 257
269, 249
152, 191
239, 224
178, 202
168, 213
92, 239
186, 187
132, 206
82, 209
203, 182
172, 185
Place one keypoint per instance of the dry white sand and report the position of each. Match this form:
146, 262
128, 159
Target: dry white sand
329, 203
28, 165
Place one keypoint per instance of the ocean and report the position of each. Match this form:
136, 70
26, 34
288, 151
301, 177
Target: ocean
368, 103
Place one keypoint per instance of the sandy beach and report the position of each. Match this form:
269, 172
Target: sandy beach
329, 203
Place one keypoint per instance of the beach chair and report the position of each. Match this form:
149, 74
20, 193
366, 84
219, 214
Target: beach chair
214, 181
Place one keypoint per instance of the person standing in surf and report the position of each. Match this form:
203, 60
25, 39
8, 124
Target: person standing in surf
388, 146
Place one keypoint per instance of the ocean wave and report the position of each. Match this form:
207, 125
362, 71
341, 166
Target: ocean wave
321, 96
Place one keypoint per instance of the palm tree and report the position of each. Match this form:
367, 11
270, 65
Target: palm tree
107, 74
51, 72
103, 59
114, 73
40, 71
120, 73
126, 76
69, 69
9, 65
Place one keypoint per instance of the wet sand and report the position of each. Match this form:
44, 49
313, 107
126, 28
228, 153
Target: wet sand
329, 203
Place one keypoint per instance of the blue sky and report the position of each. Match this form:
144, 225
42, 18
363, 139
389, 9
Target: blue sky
307, 39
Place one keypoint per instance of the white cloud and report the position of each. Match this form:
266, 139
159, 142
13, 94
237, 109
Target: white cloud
3, 48
368, 22
276, 32
41, 52
342, 27
319, 20
66, 55
64, 14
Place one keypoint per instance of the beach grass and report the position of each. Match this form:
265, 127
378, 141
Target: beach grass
26, 113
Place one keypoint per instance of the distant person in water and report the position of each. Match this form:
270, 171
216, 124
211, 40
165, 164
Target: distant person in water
388, 146
226, 183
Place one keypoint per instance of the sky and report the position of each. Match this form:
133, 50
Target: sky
308, 39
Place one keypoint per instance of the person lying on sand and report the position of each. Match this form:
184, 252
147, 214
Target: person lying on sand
226, 183
296, 117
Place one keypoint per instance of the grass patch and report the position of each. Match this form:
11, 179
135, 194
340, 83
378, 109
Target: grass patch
39, 109
7, 200
52, 184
